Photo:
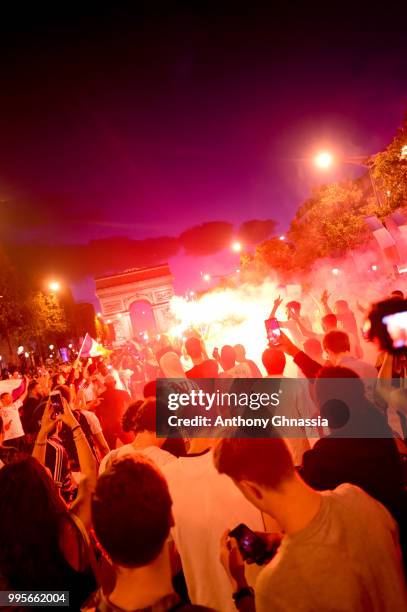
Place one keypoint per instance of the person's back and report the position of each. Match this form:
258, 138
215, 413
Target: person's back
110, 411
207, 369
205, 503
347, 558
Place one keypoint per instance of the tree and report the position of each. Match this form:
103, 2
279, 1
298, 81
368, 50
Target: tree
48, 319
13, 313
390, 172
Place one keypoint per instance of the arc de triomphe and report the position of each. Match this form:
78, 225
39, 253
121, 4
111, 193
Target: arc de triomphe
118, 292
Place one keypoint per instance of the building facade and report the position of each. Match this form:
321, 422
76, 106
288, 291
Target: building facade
136, 301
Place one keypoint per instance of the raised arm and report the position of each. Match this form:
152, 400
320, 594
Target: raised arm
324, 302
277, 302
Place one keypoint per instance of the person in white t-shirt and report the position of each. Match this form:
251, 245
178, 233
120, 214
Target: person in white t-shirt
205, 503
12, 427
140, 418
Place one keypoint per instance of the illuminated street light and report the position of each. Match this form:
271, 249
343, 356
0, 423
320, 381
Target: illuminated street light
236, 247
51, 347
70, 346
335, 271
324, 160
54, 286
99, 314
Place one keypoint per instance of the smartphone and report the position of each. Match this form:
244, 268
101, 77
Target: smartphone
273, 331
396, 325
56, 402
252, 547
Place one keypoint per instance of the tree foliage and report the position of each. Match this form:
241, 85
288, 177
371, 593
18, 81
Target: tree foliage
333, 220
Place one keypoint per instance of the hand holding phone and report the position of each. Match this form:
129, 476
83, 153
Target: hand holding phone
254, 547
56, 403
273, 331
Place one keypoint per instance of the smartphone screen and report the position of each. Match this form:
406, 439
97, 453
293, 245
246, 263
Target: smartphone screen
251, 545
273, 331
56, 402
396, 325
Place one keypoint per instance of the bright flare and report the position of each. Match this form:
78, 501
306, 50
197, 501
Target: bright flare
236, 247
324, 159
207, 277
54, 286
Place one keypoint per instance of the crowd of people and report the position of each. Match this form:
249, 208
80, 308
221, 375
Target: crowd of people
93, 502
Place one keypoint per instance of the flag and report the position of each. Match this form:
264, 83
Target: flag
91, 348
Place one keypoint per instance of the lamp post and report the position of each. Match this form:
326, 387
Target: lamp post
325, 160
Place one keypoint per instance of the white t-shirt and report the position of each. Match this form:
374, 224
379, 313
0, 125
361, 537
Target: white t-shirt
12, 427
93, 421
155, 453
205, 505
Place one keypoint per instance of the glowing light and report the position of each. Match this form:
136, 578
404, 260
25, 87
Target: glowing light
207, 277
26, 355
108, 321
335, 271
282, 237
54, 286
236, 247
403, 152
51, 347
227, 316
192, 293
99, 314
237, 270
70, 346
324, 160
119, 316
374, 267
145, 336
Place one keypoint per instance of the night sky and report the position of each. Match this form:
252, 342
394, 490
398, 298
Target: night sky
144, 123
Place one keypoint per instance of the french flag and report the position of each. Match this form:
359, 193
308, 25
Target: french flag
91, 348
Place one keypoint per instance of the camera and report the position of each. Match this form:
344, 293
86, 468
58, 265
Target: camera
387, 323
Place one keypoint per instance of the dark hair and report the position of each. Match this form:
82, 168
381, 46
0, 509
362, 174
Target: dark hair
150, 389
294, 304
336, 341
330, 320
312, 345
31, 511
131, 511
193, 347
32, 384
227, 357
128, 418
266, 461
274, 361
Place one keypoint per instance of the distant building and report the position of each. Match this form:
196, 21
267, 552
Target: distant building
136, 302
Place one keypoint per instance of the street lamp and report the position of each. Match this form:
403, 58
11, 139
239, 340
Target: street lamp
236, 247
324, 160
54, 286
